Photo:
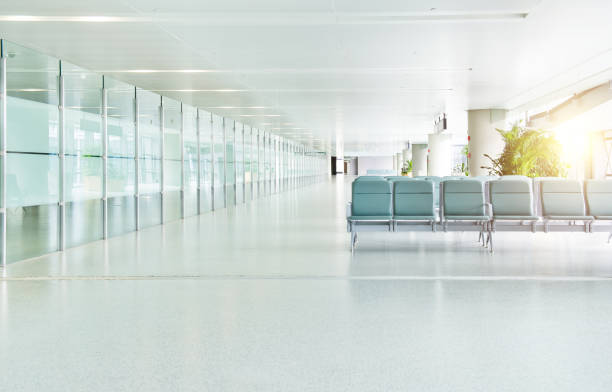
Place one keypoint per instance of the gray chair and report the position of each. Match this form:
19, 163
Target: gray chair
413, 205
371, 207
598, 195
562, 204
463, 206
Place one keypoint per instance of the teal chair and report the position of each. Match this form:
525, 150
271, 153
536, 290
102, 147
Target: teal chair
598, 195
464, 207
436, 181
371, 207
563, 201
413, 205
464, 200
513, 208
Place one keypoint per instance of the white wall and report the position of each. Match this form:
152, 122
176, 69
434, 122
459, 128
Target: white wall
440, 161
374, 163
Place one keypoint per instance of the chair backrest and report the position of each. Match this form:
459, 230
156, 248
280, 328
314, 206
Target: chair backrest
598, 195
372, 198
485, 178
370, 178
561, 198
463, 198
413, 198
399, 178
515, 177
511, 197
436, 181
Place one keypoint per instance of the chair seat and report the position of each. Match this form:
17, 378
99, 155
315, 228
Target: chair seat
603, 217
414, 218
467, 217
369, 218
517, 217
568, 217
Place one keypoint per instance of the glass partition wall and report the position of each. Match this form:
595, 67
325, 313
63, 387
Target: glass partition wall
85, 157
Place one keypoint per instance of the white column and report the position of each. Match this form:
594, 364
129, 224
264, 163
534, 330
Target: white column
483, 138
400, 164
419, 160
440, 162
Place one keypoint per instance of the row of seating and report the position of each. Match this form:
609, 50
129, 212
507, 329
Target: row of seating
485, 205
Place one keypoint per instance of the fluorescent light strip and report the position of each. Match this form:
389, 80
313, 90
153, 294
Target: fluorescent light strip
87, 19
276, 18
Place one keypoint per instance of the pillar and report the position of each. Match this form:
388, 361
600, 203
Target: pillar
400, 164
419, 160
483, 138
440, 161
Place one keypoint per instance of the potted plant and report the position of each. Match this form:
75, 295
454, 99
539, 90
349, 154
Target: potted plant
528, 152
407, 168
461, 169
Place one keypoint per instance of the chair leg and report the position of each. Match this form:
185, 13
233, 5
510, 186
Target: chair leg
480, 237
490, 242
609, 238
353, 234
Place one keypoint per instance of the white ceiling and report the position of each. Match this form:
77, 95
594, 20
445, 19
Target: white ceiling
372, 74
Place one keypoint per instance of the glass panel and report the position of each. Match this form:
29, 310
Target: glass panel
82, 178
31, 231
239, 162
31, 76
32, 164
31, 179
149, 176
230, 175
121, 174
82, 111
248, 176
172, 205
172, 175
150, 210
149, 144
219, 162
148, 124
205, 161
120, 118
191, 202
254, 162
32, 126
121, 215
190, 157
83, 222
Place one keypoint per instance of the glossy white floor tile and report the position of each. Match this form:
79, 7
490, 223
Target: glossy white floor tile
266, 297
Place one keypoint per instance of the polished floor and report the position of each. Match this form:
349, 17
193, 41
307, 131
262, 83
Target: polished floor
267, 297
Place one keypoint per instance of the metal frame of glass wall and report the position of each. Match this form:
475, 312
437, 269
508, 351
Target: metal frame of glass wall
84, 157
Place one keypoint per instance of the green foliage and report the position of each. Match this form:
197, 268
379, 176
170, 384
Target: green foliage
407, 168
531, 153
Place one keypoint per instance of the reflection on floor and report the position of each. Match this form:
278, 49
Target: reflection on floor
267, 297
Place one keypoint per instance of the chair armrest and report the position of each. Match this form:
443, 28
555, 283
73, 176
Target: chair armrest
349, 210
